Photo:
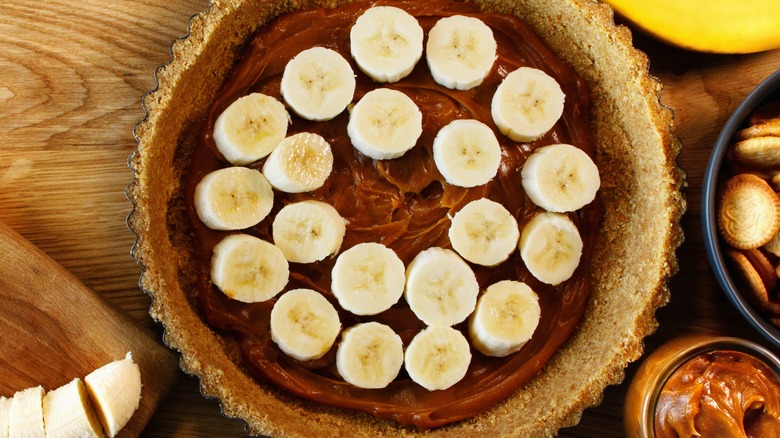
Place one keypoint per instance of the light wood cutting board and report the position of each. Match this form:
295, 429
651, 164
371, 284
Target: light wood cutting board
53, 329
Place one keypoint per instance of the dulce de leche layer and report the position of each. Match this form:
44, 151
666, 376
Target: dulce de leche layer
403, 203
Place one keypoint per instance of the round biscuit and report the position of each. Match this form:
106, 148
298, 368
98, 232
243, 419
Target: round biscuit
748, 212
758, 151
763, 267
767, 128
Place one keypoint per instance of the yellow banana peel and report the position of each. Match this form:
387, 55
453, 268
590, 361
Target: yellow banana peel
715, 26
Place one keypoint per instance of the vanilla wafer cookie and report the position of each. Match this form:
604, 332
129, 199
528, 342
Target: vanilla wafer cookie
773, 246
763, 266
758, 151
768, 128
749, 212
754, 288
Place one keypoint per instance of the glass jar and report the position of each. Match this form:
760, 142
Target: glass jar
654, 372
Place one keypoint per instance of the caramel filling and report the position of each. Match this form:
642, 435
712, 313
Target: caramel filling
403, 203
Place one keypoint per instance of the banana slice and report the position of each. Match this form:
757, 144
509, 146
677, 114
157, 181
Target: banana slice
560, 178
233, 198
304, 324
386, 43
318, 84
68, 412
467, 153
300, 163
384, 124
27, 414
551, 247
437, 358
250, 128
5, 415
308, 231
115, 391
484, 232
460, 52
441, 288
507, 315
527, 104
368, 278
370, 355
248, 269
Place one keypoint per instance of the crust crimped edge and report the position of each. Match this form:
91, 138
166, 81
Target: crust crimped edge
641, 197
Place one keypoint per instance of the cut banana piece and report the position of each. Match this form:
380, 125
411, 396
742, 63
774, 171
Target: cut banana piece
68, 412
368, 278
233, 198
527, 104
115, 391
386, 43
308, 231
370, 355
441, 289
248, 269
27, 414
467, 153
300, 163
304, 324
384, 124
484, 232
507, 315
560, 178
5, 415
250, 128
551, 247
460, 52
437, 358
318, 84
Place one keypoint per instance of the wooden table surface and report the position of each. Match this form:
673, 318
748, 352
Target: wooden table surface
72, 75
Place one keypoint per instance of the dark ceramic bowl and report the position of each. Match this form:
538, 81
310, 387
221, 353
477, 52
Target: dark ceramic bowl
768, 90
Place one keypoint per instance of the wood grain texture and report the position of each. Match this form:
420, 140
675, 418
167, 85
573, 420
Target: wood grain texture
72, 75
55, 329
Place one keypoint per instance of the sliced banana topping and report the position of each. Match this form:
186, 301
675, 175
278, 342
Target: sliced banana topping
368, 278
300, 163
467, 153
551, 247
115, 391
318, 84
386, 43
441, 288
304, 324
384, 124
233, 198
308, 231
27, 413
527, 104
250, 128
507, 315
248, 269
484, 232
560, 178
460, 52
67, 412
370, 355
438, 357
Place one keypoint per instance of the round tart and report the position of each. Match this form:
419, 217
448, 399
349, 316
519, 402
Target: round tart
640, 203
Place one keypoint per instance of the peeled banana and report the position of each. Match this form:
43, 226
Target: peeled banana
100, 405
